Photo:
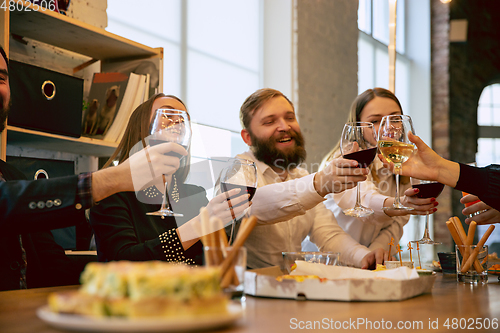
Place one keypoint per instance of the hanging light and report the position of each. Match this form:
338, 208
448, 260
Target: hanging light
445, 1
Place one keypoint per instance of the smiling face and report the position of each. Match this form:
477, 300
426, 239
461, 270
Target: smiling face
274, 134
377, 108
275, 121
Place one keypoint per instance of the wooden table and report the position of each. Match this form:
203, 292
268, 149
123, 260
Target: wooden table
448, 300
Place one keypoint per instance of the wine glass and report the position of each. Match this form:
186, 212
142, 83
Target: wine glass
169, 125
359, 143
427, 189
395, 147
239, 173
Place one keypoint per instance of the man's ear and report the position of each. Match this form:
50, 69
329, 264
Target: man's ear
245, 135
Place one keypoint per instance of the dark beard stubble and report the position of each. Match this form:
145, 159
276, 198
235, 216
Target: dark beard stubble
265, 151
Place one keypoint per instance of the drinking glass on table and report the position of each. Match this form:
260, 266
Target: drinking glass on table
396, 148
359, 142
239, 173
169, 125
427, 189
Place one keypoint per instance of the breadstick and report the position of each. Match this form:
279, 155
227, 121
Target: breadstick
479, 246
246, 228
456, 238
460, 228
469, 241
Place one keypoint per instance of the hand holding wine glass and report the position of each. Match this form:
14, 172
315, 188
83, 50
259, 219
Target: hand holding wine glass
359, 143
239, 174
170, 125
420, 205
396, 148
427, 189
145, 166
226, 209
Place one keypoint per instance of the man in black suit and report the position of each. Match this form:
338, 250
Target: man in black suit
29, 207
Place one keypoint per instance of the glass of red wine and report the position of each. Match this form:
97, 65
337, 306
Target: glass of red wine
359, 142
427, 189
169, 125
239, 173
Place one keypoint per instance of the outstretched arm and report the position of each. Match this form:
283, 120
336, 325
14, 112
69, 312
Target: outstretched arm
427, 164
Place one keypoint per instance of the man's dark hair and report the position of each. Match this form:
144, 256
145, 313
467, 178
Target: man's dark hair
4, 55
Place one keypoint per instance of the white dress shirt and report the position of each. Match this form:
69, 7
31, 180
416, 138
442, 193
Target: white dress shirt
296, 204
376, 230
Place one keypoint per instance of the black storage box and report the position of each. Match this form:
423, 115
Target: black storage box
45, 100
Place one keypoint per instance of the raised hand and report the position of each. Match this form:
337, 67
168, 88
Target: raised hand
338, 176
427, 164
147, 166
421, 206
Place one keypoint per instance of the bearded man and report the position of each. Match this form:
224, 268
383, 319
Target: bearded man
287, 200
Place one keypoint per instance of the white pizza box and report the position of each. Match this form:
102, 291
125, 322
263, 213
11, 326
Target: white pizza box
262, 282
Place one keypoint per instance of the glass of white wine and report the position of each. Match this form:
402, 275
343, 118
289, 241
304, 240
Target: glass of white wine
396, 148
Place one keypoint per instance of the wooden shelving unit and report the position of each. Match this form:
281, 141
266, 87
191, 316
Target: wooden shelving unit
69, 34
40, 140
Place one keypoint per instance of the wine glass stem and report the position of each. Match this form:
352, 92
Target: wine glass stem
396, 198
358, 196
165, 204
426, 231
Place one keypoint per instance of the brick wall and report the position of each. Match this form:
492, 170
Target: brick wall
440, 108
460, 71
327, 63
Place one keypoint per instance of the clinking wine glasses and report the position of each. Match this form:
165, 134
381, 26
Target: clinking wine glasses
169, 125
359, 142
396, 148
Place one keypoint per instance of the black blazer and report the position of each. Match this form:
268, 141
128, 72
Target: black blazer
47, 263
123, 231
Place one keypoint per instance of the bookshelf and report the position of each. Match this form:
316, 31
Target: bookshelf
67, 33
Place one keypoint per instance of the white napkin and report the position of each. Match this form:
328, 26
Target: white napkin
340, 272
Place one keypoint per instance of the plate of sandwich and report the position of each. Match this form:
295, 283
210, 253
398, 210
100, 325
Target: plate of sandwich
148, 296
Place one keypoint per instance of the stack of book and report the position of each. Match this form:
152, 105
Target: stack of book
112, 99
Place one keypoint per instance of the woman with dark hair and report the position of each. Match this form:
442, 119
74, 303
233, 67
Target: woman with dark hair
378, 191
123, 230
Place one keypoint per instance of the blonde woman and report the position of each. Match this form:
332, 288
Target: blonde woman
378, 190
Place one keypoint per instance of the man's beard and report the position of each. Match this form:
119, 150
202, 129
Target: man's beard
4, 112
265, 151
